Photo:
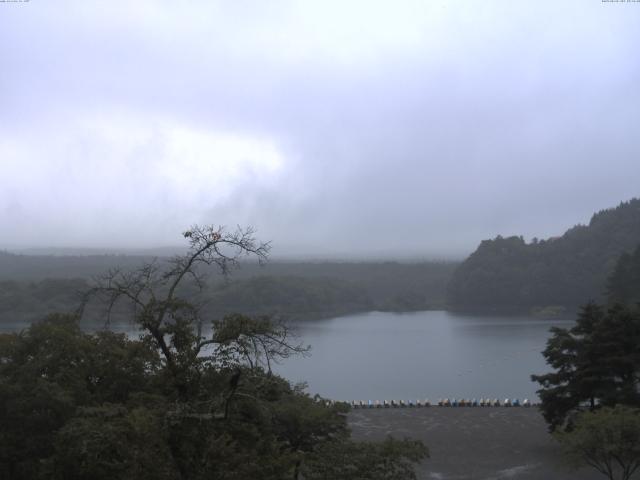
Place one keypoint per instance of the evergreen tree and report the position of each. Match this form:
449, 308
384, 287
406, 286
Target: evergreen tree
623, 285
596, 362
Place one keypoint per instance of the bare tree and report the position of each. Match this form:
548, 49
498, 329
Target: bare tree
174, 322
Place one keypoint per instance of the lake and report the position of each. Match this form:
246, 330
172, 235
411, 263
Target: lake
430, 354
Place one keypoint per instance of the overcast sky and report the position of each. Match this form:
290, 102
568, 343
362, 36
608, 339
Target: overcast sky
404, 128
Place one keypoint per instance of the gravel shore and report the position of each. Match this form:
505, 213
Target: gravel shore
472, 442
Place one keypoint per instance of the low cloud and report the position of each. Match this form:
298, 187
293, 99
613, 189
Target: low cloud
416, 129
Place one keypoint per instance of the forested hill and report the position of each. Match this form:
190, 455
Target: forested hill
564, 271
623, 286
32, 286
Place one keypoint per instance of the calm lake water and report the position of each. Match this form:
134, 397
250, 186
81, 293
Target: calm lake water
431, 354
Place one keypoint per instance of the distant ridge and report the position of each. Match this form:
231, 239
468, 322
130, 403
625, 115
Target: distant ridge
89, 252
508, 273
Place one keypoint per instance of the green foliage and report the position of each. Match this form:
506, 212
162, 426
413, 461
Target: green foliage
624, 283
174, 404
306, 422
596, 362
510, 273
30, 287
607, 440
291, 296
25, 300
112, 441
50, 370
91, 406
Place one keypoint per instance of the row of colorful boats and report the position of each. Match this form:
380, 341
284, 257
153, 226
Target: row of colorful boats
461, 402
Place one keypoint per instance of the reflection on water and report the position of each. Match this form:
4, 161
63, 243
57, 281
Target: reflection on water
430, 354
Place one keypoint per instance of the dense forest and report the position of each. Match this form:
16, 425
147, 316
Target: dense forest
623, 286
564, 271
31, 286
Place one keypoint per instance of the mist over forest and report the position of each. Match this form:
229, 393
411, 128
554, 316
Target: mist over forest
547, 276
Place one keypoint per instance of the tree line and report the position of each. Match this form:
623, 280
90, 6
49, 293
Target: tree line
297, 291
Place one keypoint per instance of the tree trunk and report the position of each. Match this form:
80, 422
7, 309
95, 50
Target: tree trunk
296, 471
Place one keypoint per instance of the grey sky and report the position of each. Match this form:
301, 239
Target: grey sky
394, 128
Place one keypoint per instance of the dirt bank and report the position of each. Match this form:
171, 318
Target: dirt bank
473, 443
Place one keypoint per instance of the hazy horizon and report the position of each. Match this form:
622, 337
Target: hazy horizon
277, 253
338, 130
280, 255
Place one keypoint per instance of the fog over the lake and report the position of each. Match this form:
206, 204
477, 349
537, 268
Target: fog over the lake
407, 128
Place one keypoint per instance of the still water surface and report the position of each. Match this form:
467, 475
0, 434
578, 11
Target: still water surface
432, 354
